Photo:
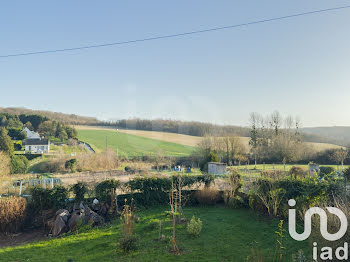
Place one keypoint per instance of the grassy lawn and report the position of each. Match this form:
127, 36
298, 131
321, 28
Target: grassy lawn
132, 145
68, 150
227, 235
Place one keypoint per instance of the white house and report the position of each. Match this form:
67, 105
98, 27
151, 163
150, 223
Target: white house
216, 168
37, 146
31, 134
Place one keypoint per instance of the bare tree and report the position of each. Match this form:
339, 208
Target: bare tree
159, 158
206, 145
340, 155
173, 202
236, 147
276, 121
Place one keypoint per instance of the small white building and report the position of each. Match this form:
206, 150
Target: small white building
31, 134
216, 168
37, 146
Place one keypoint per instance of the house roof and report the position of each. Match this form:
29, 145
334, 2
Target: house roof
31, 134
37, 142
217, 163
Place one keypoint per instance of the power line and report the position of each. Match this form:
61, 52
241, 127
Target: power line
176, 35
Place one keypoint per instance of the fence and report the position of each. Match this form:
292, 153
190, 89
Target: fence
44, 182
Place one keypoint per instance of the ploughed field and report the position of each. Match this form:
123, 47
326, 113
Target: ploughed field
227, 235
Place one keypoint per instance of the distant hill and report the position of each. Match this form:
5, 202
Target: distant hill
65, 118
339, 135
200, 129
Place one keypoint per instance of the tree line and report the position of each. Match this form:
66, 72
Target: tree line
272, 139
70, 119
276, 138
192, 128
47, 128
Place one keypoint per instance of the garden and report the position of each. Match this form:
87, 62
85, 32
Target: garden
182, 217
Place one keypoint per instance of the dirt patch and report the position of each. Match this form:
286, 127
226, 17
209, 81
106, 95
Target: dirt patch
22, 238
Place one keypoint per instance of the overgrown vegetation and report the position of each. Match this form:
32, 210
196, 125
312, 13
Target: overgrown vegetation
12, 214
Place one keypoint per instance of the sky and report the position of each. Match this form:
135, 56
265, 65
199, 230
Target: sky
298, 66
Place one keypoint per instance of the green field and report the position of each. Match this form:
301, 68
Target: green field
68, 150
227, 235
132, 145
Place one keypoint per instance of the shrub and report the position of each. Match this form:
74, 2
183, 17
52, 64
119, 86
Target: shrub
298, 172
236, 202
207, 179
252, 202
59, 195
71, 165
128, 243
273, 174
148, 191
79, 189
309, 192
233, 185
271, 194
154, 189
52, 166
347, 174
207, 196
6, 143
12, 214
43, 199
103, 189
194, 228
211, 157
326, 170
18, 146
19, 164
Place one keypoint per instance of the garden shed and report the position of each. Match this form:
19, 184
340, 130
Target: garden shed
216, 168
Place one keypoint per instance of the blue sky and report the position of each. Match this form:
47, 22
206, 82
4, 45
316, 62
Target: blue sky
298, 66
